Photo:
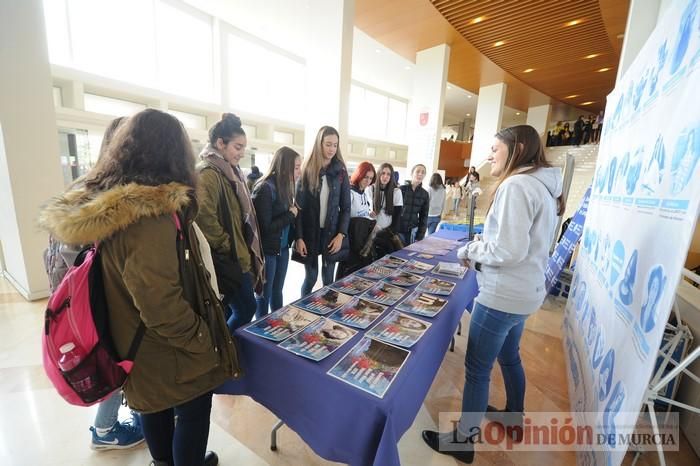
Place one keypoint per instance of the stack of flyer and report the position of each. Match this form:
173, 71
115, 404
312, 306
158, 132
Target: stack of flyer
390, 261
450, 269
371, 365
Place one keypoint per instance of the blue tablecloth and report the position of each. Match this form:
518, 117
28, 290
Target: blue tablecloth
338, 421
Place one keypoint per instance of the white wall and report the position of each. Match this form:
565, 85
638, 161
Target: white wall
30, 171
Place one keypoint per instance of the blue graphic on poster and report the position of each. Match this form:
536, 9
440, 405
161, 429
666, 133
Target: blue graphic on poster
642, 212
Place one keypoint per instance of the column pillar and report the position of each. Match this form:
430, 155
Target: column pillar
426, 109
30, 168
641, 21
328, 69
487, 122
538, 117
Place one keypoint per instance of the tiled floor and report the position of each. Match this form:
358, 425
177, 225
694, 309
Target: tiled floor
39, 428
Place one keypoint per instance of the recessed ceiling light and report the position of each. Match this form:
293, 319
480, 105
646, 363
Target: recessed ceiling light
529, 70
593, 55
517, 113
499, 43
469, 97
574, 22
587, 103
477, 20
571, 96
407, 67
603, 70
469, 114
378, 50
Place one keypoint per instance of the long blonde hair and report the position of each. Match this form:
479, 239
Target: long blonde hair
313, 163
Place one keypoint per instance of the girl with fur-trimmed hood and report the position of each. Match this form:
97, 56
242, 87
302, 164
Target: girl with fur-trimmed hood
126, 204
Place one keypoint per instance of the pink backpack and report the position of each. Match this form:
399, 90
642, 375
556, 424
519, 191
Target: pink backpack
78, 313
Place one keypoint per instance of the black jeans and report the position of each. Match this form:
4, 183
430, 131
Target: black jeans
184, 443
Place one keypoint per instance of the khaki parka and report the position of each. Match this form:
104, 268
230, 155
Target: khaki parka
154, 275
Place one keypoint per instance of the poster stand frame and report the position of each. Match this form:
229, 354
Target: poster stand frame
658, 382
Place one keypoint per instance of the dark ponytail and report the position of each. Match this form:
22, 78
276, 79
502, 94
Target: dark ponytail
228, 128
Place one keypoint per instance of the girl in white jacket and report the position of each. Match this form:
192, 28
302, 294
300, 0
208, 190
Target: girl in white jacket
510, 260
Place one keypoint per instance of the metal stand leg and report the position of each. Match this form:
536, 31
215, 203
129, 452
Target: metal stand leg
452, 345
273, 435
459, 328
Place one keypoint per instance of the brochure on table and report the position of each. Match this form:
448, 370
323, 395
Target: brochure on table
384, 293
358, 313
352, 285
436, 286
371, 365
422, 304
319, 339
323, 301
399, 329
282, 323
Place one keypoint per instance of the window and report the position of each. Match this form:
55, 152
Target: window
184, 41
283, 137
109, 106
57, 97
370, 151
114, 38
190, 120
376, 116
263, 81
162, 44
251, 131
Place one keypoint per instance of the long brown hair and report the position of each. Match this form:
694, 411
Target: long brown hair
150, 148
282, 168
525, 155
314, 162
388, 191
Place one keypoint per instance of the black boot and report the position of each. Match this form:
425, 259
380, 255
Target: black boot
432, 438
211, 459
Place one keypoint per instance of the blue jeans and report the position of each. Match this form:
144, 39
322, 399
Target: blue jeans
184, 443
242, 303
108, 411
311, 269
433, 223
492, 335
275, 272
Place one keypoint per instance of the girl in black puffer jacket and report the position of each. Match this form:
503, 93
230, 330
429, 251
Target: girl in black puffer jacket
273, 198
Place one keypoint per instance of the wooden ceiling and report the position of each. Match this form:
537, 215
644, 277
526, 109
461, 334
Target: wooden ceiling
535, 36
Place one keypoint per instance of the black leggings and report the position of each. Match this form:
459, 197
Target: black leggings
184, 443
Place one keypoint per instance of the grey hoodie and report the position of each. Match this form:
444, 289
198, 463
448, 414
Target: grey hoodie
514, 249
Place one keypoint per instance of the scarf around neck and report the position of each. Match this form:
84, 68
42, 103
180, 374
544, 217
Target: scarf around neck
251, 233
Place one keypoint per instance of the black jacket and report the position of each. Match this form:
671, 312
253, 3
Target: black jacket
338, 213
273, 215
415, 210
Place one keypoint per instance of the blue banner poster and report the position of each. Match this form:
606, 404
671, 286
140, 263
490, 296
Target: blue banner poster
641, 218
562, 252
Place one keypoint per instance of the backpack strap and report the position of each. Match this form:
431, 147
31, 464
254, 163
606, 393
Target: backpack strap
141, 330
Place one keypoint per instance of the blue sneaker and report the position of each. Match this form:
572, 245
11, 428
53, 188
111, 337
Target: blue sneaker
121, 436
